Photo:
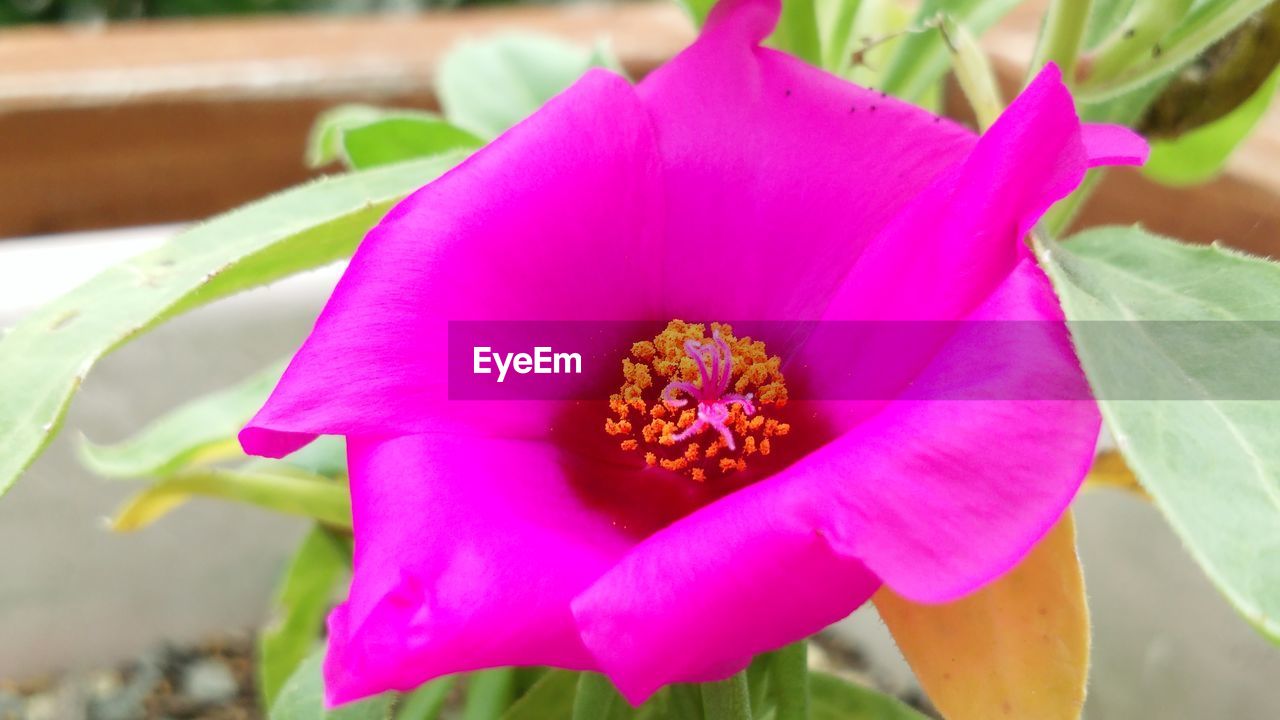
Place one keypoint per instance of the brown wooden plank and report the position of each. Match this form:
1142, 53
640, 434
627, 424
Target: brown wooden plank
171, 120
161, 121
298, 56
1231, 208
140, 163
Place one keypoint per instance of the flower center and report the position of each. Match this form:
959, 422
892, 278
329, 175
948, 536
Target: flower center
712, 412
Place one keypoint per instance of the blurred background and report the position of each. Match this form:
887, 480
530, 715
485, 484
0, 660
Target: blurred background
88, 11
123, 121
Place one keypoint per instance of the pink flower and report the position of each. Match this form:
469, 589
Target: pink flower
735, 182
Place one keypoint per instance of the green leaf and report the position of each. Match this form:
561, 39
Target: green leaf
286, 490
920, 60
45, 358
797, 31
326, 456
698, 10
402, 137
427, 701
597, 699
684, 701
555, 692
789, 681
831, 698
1199, 155
364, 136
763, 693
201, 431
837, 23
488, 86
302, 698
299, 609
489, 694
551, 697
324, 143
1211, 465
727, 699
603, 56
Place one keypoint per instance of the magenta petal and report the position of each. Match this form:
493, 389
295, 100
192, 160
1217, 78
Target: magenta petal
956, 242
697, 600
777, 174
557, 219
933, 497
1113, 145
468, 552
735, 184
940, 497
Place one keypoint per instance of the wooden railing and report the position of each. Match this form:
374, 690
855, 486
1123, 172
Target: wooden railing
165, 121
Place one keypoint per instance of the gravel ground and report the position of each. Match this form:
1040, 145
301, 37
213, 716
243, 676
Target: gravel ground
210, 681
215, 681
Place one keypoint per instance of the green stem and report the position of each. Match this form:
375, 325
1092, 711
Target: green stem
1060, 216
789, 676
1206, 25
797, 31
973, 72
596, 699
427, 701
1061, 36
685, 702
1148, 22
727, 700
294, 492
758, 683
835, 55
489, 693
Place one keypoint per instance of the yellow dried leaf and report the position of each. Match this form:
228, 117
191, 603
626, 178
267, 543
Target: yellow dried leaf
1111, 471
1018, 648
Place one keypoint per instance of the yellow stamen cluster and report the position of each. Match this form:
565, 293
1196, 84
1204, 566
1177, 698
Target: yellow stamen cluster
643, 422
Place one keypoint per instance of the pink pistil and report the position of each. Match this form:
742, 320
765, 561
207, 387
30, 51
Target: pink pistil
713, 401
